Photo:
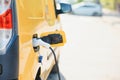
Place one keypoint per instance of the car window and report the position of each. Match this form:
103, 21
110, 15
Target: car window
89, 6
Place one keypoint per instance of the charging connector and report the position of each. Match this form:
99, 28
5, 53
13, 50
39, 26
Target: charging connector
38, 42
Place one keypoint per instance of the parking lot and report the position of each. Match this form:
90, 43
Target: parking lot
92, 49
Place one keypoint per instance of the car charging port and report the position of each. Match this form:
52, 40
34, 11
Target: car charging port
53, 39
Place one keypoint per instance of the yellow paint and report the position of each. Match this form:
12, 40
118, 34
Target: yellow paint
34, 16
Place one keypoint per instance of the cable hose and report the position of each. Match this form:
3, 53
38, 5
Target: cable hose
56, 63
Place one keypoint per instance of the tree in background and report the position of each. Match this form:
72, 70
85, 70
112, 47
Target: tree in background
97, 1
77, 1
80, 0
74, 1
109, 4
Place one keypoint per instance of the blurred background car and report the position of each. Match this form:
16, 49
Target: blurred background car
87, 9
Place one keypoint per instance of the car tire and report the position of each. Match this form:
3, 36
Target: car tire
54, 69
95, 14
100, 15
38, 75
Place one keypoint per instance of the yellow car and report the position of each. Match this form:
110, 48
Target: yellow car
20, 21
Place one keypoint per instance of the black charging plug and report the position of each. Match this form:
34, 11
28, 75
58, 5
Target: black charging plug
53, 38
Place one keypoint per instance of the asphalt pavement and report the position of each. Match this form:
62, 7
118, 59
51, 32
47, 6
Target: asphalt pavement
92, 51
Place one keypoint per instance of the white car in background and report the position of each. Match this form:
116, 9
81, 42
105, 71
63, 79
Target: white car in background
87, 8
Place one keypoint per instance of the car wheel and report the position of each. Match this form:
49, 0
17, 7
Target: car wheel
38, 75
100, 15
54, 69
95, 14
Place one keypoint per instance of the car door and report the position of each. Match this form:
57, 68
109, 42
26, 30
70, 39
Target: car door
53, 24
82, 10
85, 10
31, 16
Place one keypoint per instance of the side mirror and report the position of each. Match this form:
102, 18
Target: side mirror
55, 38
64, 8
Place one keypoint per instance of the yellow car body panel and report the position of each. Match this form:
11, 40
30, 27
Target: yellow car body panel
22, 23
34, 16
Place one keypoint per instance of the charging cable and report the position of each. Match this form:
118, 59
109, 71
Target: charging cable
38, 42
56, 63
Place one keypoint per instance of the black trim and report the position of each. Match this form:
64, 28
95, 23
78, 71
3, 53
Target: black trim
55, 8
14, 79
10, 62
38, 74
1, 69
